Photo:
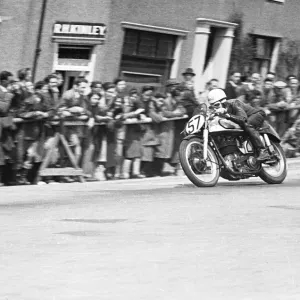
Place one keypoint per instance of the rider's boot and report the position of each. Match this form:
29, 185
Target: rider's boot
263, 155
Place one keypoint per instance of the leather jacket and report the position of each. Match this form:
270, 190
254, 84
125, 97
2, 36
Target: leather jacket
242, 110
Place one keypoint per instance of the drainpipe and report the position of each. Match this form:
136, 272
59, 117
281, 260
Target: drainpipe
39, 39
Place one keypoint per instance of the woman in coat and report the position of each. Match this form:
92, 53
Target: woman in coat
133, 148
169, 139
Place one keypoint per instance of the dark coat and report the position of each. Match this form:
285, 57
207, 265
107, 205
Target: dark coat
134, 132
189, 102
230, 91
166, 130
96, 134
7, 126
240, 109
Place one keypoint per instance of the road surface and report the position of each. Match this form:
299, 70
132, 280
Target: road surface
158, 238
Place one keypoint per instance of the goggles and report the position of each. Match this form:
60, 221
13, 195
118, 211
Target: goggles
216, 105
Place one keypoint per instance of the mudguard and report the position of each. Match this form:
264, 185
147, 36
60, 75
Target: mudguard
190, 136
270, 131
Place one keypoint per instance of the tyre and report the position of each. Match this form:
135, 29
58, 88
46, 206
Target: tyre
199, 173
275, 174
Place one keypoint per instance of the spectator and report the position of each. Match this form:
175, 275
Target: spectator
110, 94
278, 105
188, 75
24, 75
188, 99
7, 153
170, 85
212, 84
267, 92
34, 110
96, 134
96, 87
291, 140
248, 90
293, 98
167, 133
232, 86
74, 106
60, 81
271, 76
134, 133
149, 140
120, 87
20, 93
289, 77
52, 95
266, 98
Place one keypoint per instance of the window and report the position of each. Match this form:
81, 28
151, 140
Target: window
147, 56
76, 55
148, 44
263, 47
74, 52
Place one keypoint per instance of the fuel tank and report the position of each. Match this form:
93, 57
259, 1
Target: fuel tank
223, 125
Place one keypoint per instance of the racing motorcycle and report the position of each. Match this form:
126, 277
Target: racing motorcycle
215, 146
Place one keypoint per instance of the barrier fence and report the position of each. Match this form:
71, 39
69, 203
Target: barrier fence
60, 140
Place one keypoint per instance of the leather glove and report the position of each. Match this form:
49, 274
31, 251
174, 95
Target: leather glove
221, 111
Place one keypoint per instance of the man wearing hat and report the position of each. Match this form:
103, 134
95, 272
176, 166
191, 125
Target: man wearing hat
171, 84
248, 117
189, 100
188, 74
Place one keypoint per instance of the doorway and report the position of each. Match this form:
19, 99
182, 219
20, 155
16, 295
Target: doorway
69, 78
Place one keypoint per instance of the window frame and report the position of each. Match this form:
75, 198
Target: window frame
158, 37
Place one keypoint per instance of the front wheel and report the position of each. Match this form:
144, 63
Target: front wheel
200, 173
275, 173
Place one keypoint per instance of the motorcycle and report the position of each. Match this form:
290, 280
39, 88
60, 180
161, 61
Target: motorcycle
215, 146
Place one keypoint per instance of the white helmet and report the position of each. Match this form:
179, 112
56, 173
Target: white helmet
216, 95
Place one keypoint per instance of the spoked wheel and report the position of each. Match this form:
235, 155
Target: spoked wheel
275, 173
201, 173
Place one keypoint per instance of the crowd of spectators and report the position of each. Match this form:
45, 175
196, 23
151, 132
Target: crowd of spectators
120, 133
29, 113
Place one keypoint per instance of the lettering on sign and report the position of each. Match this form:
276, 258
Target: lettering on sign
77, 30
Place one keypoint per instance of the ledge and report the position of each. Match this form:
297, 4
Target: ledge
152, 28
262, 33
77, 40
216, 23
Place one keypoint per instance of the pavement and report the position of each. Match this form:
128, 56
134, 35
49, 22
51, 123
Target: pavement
156, 238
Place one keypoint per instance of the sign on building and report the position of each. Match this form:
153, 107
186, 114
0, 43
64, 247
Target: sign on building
79, 30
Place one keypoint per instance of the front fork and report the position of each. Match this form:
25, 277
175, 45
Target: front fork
268, 144
205, 143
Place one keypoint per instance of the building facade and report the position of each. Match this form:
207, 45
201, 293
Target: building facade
146, 42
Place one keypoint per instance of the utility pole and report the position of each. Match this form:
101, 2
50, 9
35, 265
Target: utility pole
39, 39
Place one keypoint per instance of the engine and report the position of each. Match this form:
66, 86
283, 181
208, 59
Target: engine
230, 148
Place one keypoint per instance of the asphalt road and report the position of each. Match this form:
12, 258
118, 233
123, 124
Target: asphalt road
158, 238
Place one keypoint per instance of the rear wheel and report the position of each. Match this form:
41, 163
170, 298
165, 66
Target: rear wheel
275, 173
200, 173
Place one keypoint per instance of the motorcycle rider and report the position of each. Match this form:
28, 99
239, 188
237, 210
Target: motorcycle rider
248, 117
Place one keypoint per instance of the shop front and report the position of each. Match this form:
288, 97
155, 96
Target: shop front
75, 49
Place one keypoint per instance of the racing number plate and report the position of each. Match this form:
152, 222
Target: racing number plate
194, 124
